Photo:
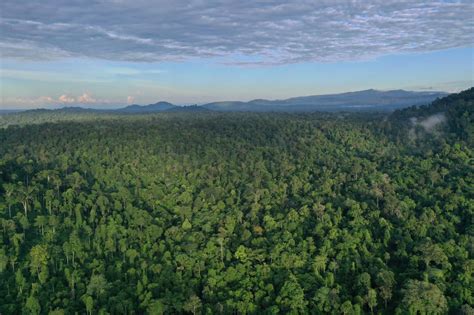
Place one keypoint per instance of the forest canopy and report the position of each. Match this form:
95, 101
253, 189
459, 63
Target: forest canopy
239, 213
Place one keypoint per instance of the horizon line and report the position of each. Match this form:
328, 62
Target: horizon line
123, 105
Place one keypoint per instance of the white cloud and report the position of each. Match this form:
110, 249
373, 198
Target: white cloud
86, 98
66, 99
53, 102
260, 32
130, 99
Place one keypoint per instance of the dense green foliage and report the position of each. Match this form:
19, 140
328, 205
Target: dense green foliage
40, 116
456, 107
238, 213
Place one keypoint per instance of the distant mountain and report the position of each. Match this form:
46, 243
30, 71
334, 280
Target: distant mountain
76, 109
152, 108
159, 107
367, 100
191, 108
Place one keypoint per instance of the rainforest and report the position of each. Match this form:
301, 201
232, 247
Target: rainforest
239, 213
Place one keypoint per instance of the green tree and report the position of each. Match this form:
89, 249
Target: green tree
424, 298
291, 297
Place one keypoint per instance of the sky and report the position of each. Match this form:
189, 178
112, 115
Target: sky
109, 53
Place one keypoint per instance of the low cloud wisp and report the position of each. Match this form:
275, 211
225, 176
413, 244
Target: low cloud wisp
429, 123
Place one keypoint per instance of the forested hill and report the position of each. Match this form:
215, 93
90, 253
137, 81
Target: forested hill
455, 101
452, 115
239, 213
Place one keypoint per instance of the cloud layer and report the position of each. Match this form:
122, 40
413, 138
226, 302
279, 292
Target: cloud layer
235, 32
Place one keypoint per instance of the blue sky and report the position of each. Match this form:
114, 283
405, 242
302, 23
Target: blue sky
115, 52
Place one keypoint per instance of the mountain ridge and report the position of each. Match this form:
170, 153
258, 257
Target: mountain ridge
364, 100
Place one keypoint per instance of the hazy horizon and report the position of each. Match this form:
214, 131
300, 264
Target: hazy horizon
60, 105
110, 53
